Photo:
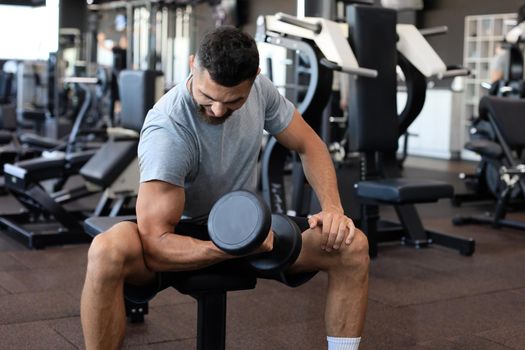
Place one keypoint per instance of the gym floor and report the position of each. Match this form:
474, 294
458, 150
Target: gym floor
419, 299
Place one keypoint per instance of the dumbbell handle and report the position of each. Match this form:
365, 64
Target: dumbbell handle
240, 222
286, 246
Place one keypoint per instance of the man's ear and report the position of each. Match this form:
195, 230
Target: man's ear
258, 70
192, 63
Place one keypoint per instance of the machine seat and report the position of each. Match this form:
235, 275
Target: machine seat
35, 115
36, 166
97, 224
5, 137
404, 191
40, 141
486, 148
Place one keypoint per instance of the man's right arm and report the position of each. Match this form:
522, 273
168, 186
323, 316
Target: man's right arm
159, 209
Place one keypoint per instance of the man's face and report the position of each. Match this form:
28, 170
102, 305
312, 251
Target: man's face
216, 102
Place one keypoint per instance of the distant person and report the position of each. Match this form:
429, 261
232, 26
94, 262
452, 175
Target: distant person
499, 64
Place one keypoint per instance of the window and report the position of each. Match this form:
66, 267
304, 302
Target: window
28, 33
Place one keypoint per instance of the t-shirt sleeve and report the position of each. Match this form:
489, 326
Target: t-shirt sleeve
499, 61
278, 110
165, 155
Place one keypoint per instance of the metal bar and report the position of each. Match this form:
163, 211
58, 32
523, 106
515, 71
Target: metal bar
81, 80
129, 35
314, 27
362, 72
117, 5
433, 31
454, 73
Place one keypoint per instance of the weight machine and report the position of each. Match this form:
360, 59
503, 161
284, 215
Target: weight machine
366, 116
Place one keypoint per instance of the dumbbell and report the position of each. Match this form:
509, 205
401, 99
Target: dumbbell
240, 221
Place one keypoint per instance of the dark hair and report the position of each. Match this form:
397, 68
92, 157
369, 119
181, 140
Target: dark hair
229, 55
521, 14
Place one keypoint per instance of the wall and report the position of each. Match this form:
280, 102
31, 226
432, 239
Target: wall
436, 13
452, 14
73, 14
267, 7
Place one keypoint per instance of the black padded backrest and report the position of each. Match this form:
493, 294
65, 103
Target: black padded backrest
6, 80
508, 115
138, 91
515, 67
373, 121
109, 162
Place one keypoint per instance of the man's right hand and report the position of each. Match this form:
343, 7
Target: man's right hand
266, 246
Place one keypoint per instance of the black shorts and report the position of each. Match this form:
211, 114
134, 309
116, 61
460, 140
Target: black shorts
167, 279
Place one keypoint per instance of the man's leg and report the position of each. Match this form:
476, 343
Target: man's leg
347, 269
114, 256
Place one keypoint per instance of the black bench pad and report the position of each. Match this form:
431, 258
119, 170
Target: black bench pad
98, 224
487, 148
40, 141
5, 137
215, 278
109, 162
403, 191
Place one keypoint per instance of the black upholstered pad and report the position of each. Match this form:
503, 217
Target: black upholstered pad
40, 141
404, 190
98, 224
109, 162
5, 137
485, 148
34, 115
507, 114
215, 278
36, 169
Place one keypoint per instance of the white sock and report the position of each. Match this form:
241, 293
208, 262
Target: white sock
338, 343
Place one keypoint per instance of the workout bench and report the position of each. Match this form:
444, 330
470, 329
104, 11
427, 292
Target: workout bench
374, 129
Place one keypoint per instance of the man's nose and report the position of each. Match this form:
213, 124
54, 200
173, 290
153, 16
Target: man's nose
218, 109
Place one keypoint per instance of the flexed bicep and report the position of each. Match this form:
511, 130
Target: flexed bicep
159, 208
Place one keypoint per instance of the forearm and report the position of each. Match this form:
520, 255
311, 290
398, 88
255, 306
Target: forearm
176, 252
320, 173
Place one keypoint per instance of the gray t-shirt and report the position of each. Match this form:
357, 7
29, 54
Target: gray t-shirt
500, 62
177, 146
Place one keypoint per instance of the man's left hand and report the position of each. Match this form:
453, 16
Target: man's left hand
335, 227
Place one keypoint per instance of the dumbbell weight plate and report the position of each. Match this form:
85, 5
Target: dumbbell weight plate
286, 249
239, 222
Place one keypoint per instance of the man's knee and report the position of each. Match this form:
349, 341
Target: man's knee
108, 253
356, 254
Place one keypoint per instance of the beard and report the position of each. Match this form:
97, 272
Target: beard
213, 120
201, 110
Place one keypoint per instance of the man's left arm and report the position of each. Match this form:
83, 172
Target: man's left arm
320, 173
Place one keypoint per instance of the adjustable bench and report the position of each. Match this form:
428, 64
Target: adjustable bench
403, 194
374, 129
505, 155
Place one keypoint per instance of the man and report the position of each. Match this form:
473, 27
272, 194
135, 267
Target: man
499, 63
200, 141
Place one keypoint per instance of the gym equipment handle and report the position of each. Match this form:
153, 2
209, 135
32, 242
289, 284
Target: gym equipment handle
433, 31
363, 72
81, 80
314, 27
454, 73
